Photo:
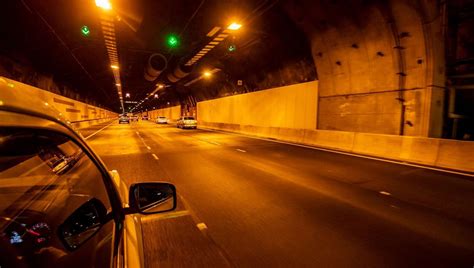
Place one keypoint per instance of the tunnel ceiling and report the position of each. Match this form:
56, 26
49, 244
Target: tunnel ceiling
45, 35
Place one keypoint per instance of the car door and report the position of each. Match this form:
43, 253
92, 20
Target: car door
55, 207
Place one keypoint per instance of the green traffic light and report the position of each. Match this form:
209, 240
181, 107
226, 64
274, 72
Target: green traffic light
172, 41
85, 30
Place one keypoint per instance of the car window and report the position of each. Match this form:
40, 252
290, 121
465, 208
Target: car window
189, 118
44, 179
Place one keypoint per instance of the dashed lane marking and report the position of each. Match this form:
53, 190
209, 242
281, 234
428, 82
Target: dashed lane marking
346, 153
242, 151
201, 226
148, 147
385, 193
154, 156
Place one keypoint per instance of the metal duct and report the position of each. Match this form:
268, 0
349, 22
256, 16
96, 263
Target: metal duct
157, 63
179, 73
172, 78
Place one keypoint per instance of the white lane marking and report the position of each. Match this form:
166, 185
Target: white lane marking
345, 153
201, 226
154, 156
242, 151
169, 215
385, 193
143, 141
91, 135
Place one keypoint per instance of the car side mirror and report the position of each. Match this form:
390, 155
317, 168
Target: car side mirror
152, 197
82, 224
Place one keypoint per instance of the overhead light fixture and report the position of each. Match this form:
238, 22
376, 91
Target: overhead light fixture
118, 84
104, 4
113, 66
234, 26
207, 74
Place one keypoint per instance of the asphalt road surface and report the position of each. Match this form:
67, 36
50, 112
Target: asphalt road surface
246, 202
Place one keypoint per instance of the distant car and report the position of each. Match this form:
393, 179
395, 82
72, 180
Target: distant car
134, 118
187, 122
145, 117
124, 119
162, 120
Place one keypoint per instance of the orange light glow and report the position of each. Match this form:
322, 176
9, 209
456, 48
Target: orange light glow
234, 26
104, 4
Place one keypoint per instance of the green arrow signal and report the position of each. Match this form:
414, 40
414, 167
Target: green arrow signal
85, 30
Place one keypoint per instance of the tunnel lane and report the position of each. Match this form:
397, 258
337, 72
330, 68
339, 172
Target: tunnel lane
254, 203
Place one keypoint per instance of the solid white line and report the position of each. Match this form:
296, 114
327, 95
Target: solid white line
346, 153
240, 150
154, 156
385, 193
201, 226
91, 135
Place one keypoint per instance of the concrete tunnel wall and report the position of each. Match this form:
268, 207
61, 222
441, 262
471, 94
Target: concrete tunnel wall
172, 113
292, 106
380, 64
80, 114
290, 114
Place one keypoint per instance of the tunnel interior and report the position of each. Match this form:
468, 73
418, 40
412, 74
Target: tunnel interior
388, 67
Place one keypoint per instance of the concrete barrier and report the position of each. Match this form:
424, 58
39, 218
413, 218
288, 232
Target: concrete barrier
450, 154
338, 140
456, 154
89, 123
79, 114
386, 146
420, 150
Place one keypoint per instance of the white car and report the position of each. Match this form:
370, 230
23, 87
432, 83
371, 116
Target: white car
187, 122
162, 120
